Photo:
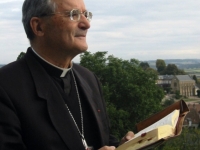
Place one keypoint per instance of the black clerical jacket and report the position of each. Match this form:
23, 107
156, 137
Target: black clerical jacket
33, 115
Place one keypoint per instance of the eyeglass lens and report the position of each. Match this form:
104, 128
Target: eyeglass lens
75, 15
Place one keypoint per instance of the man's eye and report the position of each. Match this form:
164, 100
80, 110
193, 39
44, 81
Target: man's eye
75, 13
86, 14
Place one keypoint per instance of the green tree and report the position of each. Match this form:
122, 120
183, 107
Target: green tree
177, 94
160, 65
195, 78
130, 92
172, 69
198, 93
144, 65
21, 55
168, 102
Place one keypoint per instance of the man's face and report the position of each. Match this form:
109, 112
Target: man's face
64, 35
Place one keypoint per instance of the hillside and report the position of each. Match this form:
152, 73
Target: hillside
180, 63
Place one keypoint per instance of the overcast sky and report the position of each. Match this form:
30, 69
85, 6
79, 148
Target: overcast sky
140, 29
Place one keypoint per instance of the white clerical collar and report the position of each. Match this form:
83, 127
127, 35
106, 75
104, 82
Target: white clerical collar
64, 70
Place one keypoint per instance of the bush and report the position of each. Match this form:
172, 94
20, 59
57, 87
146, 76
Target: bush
177, 95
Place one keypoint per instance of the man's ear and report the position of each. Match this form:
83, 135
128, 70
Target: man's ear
37, 26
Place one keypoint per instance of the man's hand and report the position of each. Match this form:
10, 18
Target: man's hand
127, 137
108, 148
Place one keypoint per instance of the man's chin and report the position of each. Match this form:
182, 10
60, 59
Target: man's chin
82, 49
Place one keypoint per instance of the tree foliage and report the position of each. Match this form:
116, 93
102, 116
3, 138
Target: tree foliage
168, 102
177, 94
160, 65
198, 93
130, 92
144, 65
172, 69
21, 55
195, 78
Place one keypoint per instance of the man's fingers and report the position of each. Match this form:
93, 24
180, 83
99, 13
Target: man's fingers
108, 148
129, 135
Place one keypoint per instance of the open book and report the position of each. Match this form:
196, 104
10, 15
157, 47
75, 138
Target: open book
158, 128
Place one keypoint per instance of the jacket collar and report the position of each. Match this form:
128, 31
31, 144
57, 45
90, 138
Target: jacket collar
51, 68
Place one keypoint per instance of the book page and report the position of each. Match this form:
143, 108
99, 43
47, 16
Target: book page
167, 120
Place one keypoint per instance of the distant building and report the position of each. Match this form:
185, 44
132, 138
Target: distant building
183, 83
164, 80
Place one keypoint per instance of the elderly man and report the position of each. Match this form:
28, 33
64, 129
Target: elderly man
46, 101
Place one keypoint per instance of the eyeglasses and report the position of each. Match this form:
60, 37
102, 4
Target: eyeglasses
74, 14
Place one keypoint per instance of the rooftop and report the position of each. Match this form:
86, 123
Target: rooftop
184, 78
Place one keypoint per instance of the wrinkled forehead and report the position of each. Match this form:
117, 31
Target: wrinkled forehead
69, 4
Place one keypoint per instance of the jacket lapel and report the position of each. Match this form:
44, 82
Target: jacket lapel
58, 113
95, 103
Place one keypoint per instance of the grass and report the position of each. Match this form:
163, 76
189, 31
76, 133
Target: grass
192, 71
189, 100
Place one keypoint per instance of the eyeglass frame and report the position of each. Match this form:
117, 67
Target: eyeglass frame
70, 14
